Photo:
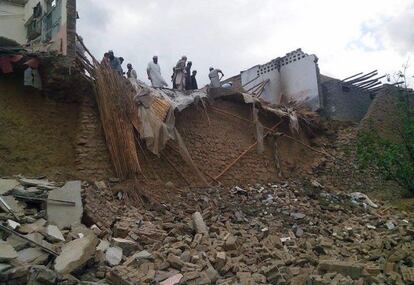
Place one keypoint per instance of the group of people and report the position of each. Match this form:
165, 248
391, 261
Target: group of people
183, 77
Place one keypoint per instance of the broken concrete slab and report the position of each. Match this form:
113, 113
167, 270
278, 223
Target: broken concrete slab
63, 215
7, 252
113, 255
54, 234
34, 227
16, 242
27, 192
16, 206
12, 224
199, 225
4, 267
39, 183
32, 255
128, 246
41, 275
75, 254
6, 185
103, 245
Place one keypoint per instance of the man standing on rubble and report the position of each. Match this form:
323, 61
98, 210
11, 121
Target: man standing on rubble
179, 73
115, 63
188, 76
214, 77
194, 85
154, 74
131, 73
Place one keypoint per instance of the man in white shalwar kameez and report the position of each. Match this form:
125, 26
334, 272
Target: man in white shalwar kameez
179, 74
154, 74
214, 77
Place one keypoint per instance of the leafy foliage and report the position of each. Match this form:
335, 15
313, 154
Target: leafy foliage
394, 160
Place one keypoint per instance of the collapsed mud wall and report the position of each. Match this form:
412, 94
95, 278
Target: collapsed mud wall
214, 140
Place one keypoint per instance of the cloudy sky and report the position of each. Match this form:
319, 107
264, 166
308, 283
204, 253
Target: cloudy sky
347, 36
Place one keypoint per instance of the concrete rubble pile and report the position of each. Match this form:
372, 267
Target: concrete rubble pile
288, 233
42, 240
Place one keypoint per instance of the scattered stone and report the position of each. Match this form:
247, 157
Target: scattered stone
113, 256
39, 183
63, 215
37, 226
297, 216
169, 185
127, 246
175, 261
32, 255
199, 225
345, 268
15, 206
96, 230
12, 224
4, 267
231, 243
103, 245
7, 252
75, 254
407, 274
54, 234
390, 225
172, 280
220, 259
359, 197
6, 185
299, 232
41, 275
143, 255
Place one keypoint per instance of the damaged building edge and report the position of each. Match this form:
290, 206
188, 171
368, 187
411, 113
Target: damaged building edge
40, 26
296, 77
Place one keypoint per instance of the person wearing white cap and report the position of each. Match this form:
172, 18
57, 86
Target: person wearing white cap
154, 74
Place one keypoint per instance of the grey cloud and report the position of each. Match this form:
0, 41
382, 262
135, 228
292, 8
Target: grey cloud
401, 32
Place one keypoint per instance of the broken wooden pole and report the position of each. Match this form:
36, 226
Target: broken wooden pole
246, 151
363, 77
355, 75
308, 146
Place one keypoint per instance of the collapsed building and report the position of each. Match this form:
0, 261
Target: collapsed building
150, 157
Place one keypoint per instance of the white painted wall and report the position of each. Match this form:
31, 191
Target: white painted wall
12, 22
292, 77
299, 81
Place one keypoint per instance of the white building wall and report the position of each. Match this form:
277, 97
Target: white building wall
299, 81
12, 22
293, 77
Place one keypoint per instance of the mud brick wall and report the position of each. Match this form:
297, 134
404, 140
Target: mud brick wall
214, 142
92, 157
